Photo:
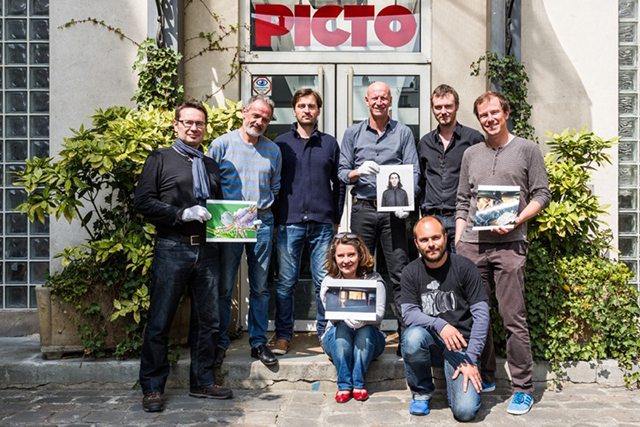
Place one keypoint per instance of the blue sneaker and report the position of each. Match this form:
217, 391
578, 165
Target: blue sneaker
520, 403
488, 388
419, 407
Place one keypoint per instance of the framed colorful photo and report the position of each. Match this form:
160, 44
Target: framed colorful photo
496, 206
352, 299
394, 188
232, 221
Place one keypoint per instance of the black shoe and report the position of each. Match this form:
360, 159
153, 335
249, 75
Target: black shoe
211, 392
153, 402
220, 355
265, 355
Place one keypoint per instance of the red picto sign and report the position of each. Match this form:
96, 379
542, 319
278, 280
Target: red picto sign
274, 20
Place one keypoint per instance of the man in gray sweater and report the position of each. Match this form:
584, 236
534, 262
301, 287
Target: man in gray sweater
500, 254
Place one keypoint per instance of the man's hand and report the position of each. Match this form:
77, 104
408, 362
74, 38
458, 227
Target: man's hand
369, 167
452, 338
469, 373
196, 213
401, 213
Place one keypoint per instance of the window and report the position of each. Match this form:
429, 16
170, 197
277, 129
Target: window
25, 134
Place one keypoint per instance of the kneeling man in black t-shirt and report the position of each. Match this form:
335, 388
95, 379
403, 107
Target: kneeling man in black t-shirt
444, 306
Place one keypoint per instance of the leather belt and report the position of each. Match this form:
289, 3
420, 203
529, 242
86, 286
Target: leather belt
264, 211
193, 240
441, 212
372, 202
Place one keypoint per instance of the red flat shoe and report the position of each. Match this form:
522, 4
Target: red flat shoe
360, 395
343, 397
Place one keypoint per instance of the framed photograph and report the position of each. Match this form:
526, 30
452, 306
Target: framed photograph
353, 299
232, 221
496, 206
394, 188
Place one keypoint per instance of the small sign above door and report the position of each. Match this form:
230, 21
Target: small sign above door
261, 85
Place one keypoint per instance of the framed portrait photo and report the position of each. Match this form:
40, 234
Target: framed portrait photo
351, 299
394, 188
232, 221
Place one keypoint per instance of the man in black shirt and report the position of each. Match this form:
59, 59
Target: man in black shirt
440, 153
173, 187
444, 305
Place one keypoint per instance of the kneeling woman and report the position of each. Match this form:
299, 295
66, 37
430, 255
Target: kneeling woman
352, 344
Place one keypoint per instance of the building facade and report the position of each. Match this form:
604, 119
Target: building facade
581, 57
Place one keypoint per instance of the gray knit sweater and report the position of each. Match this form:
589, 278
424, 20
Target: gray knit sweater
519, 163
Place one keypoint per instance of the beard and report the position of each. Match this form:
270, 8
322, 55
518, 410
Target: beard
435, 257
251, 131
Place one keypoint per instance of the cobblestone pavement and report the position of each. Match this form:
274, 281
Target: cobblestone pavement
575, 405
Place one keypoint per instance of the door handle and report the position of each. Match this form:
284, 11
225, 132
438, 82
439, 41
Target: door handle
321, 91
350, 97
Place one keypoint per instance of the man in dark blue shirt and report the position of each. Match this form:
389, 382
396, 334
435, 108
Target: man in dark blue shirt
308, 209
440, 152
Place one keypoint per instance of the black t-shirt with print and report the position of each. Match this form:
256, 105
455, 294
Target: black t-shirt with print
446, 292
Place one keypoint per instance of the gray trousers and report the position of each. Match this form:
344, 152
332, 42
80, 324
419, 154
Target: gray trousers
502, 268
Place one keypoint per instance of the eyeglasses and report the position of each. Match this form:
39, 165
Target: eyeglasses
189, 123
345, 235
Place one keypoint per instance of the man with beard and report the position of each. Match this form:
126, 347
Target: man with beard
250, 167
444, 306
440, 154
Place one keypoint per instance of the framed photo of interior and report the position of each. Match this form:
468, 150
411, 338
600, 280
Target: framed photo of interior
351, 299
232, 221
394, 188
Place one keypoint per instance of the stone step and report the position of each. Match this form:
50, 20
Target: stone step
305, 367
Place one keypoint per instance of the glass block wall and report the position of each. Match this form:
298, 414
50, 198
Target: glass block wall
24, 131
628, 131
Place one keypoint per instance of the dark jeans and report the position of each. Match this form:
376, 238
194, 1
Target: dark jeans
502, 268
388, 230
176, 265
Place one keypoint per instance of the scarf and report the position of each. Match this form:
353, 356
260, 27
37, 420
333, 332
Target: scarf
199, 172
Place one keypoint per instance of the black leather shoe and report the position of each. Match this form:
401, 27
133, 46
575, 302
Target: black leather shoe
220, 354
265, 355
213, 391
153, 402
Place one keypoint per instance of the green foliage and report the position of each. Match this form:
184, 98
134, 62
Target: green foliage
92, 182
580, 303
511, 78
157, 77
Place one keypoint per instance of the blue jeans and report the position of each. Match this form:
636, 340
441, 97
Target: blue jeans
352, 350
422, 349
290, 242
175, 266
258, 259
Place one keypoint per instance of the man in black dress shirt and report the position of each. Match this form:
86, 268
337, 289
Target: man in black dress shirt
440, 153
172, 190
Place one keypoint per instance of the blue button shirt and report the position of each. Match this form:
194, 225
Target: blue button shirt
395, 146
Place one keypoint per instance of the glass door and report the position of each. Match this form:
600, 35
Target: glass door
280, 82
343, 88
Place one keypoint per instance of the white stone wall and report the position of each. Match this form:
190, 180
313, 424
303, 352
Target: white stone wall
459, 37
570, 52
90, 69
